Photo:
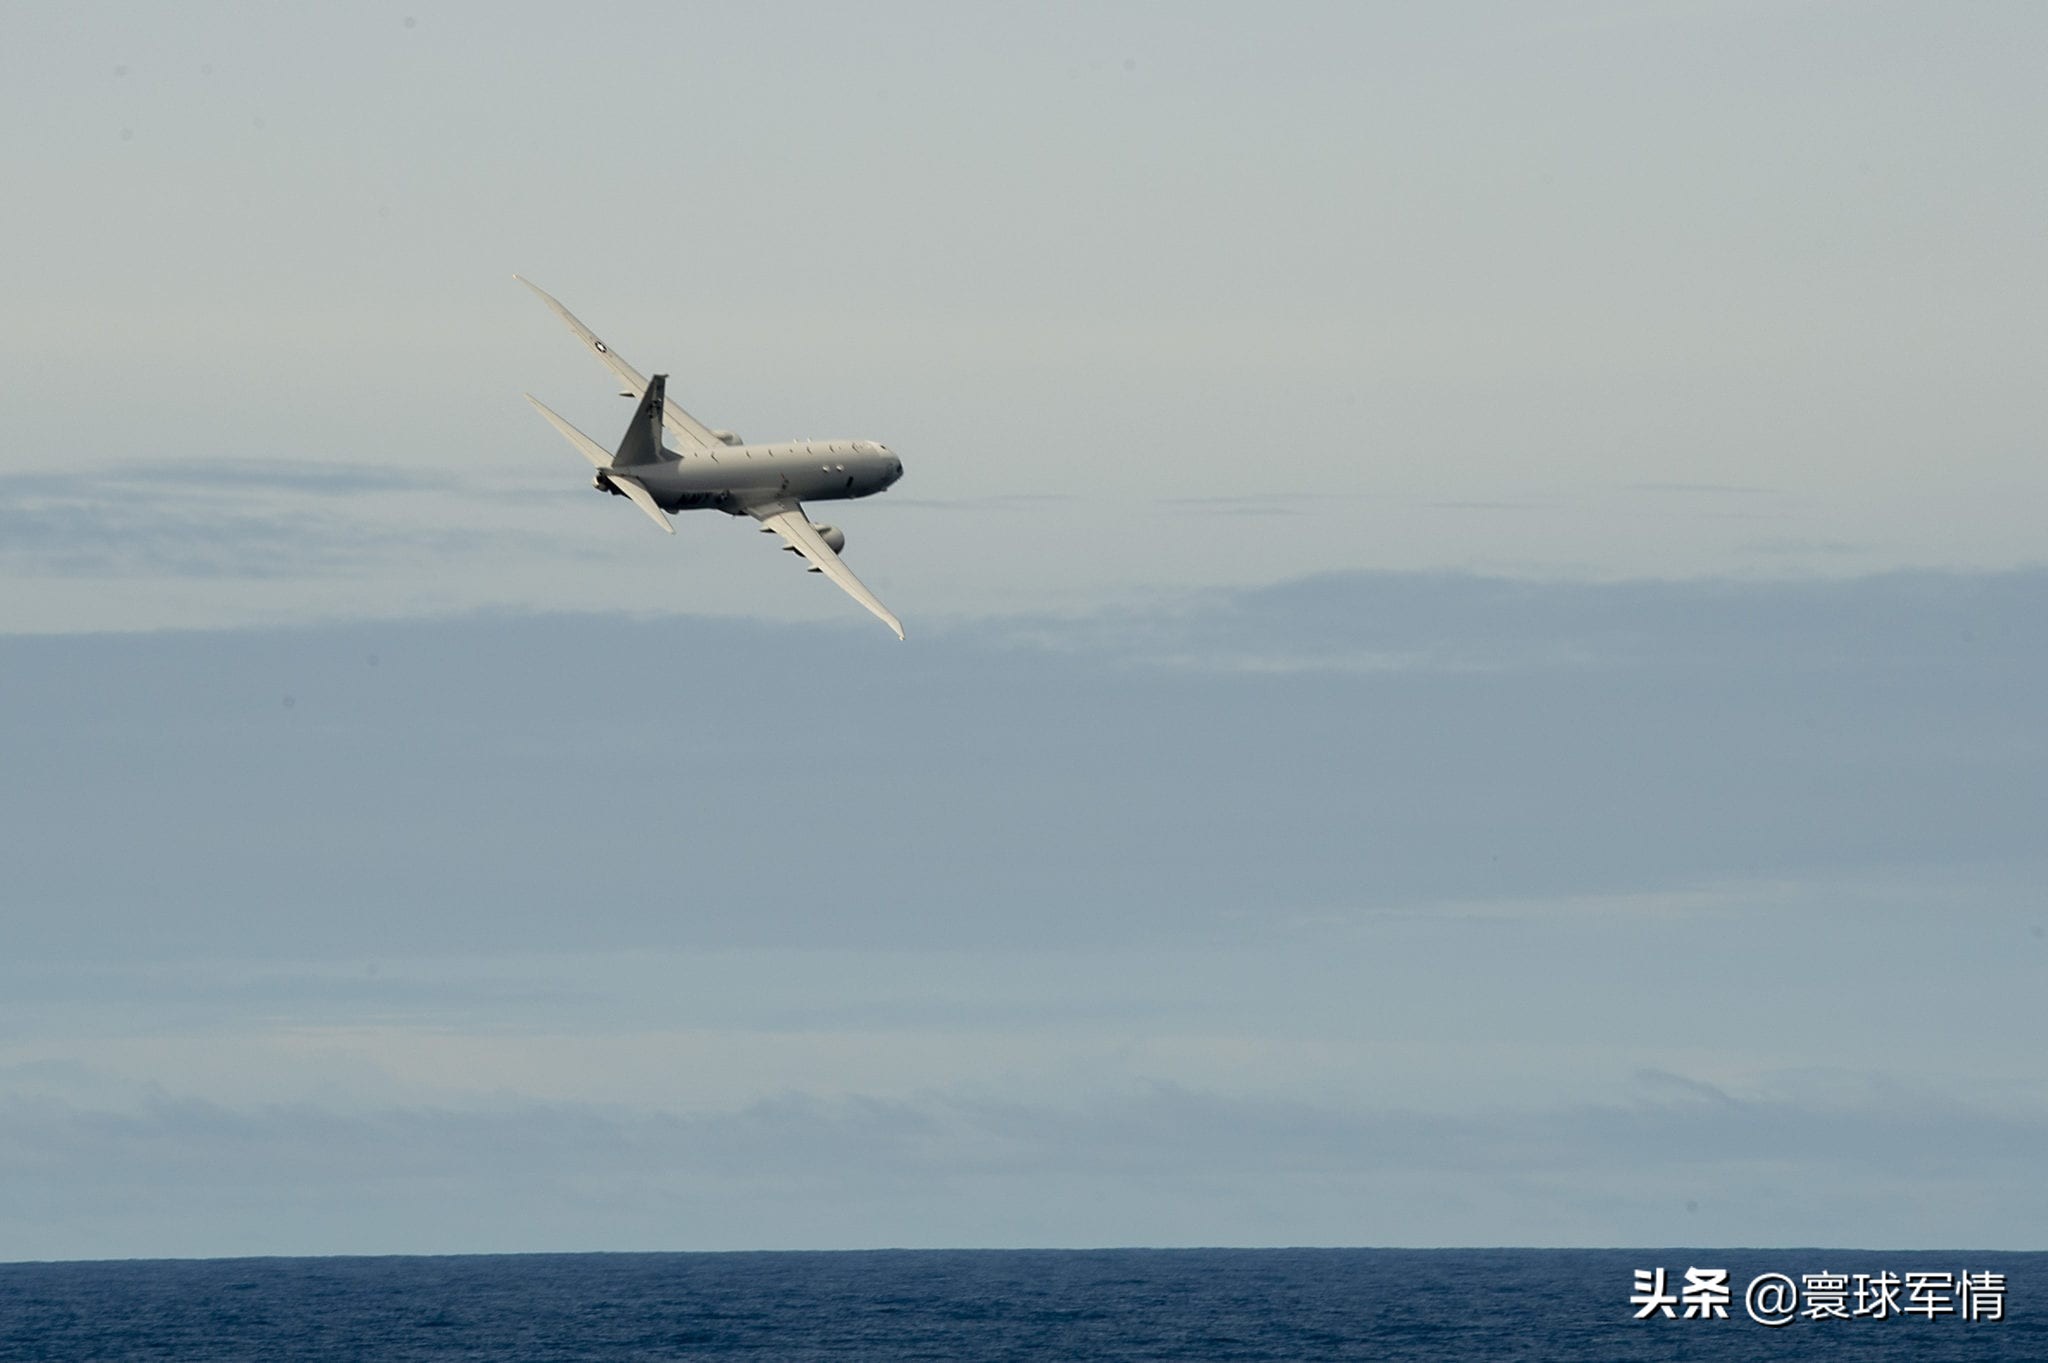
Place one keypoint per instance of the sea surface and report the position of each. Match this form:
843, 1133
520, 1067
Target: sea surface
1000, 1304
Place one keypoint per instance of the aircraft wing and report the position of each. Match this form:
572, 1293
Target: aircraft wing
788, 520
679, 423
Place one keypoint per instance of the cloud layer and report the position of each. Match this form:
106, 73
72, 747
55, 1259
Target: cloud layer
1366, 909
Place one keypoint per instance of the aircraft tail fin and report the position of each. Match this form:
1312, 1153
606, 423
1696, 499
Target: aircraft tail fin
642, 444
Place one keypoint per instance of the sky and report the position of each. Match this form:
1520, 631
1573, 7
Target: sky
1474, 587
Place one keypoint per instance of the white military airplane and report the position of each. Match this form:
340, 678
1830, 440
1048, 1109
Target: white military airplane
717, 469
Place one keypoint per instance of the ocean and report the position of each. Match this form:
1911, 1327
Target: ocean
1121, 1304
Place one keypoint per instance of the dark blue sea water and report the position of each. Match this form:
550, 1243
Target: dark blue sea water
982, 1304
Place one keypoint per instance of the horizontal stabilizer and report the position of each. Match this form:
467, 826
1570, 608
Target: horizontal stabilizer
642, 499
594, 452
585, 446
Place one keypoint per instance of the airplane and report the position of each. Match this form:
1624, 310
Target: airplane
718, 470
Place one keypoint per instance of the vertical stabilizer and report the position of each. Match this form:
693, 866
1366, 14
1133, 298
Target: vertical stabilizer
642, 444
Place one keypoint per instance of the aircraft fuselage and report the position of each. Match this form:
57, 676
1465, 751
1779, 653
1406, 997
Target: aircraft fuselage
731, 475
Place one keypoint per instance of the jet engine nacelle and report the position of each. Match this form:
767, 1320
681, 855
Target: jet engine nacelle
834, 537
728, 437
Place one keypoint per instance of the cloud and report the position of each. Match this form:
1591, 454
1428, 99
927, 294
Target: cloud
1008, 501
204, 481
1327, 912
210, 519
1707, 489
1150, 1146
1336, 744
